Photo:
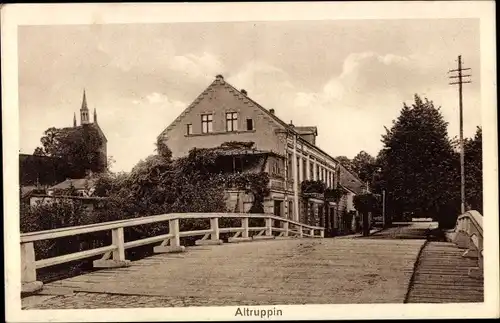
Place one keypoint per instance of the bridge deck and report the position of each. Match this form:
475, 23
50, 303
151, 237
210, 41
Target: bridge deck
442, 276
307, 271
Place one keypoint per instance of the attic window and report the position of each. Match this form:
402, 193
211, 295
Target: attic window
249, 124
231, 121
189, 129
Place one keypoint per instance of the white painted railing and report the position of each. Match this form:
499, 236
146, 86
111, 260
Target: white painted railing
469, 235
114, 254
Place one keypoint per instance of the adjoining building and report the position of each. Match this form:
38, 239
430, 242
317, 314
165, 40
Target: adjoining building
289, 154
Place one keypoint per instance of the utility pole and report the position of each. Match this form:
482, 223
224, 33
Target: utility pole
461, 80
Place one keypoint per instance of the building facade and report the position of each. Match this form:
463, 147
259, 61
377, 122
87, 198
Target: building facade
221, 114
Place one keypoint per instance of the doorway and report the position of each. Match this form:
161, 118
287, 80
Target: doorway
278, 208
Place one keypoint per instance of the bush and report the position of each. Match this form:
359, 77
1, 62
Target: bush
366, 203
156, 185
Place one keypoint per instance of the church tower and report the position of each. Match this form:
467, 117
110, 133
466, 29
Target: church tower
84, 111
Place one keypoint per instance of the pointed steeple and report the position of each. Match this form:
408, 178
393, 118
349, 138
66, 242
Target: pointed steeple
84, 102
74, 119
95, 116
84, 110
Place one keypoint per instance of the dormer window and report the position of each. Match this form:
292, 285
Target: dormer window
231, 121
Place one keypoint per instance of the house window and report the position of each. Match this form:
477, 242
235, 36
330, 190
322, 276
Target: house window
289, 167
311, 171
189, 129
249, 124
276, 167
304, 169
206, 123
298, 168
231, 121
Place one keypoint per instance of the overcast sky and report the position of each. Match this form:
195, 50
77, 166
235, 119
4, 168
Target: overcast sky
348, 78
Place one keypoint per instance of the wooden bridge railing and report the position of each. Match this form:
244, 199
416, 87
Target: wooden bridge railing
114, 254
469, 235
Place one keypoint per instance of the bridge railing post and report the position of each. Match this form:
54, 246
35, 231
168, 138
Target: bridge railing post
173, 226
322, 233
301, 233
285, 227
29, 284
214, 226
174, 241
117, 255
244, 224
118, 240
312, 232
269, 227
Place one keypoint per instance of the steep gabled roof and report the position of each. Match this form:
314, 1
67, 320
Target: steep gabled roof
80, 127
79, 184
350, 181
238, 94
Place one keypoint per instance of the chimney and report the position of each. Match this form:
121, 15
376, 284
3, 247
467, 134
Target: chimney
291, 124
244, 92
219, 77
271, 111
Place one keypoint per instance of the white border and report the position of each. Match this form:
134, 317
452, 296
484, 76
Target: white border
52, 14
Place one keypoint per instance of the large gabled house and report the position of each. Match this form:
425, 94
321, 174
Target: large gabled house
222, 113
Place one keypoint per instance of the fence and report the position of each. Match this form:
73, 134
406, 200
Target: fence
469, 235
114, 255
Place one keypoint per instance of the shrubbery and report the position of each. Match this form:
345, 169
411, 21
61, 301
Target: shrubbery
157, 185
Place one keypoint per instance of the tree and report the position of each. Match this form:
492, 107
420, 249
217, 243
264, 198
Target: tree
474, 172
346, 162
366, 204
50, 143
364, 165
418, 164
79, 148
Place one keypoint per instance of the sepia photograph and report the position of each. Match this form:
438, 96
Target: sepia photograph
250, 161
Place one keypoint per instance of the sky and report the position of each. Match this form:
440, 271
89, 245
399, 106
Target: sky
349, 78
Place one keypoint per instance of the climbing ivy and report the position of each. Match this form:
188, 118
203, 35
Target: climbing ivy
256, 184
335, 193
310, 186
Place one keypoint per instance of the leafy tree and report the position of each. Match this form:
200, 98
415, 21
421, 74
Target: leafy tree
365, 204
79, 148
473, 171
365, 166
50, 143
346, 162
418, 164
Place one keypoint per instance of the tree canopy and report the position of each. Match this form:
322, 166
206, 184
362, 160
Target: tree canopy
418, 164
364, 165
79, 148
474, 171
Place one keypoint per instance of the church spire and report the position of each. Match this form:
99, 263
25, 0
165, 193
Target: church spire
84, 102
84, 110
74, 119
